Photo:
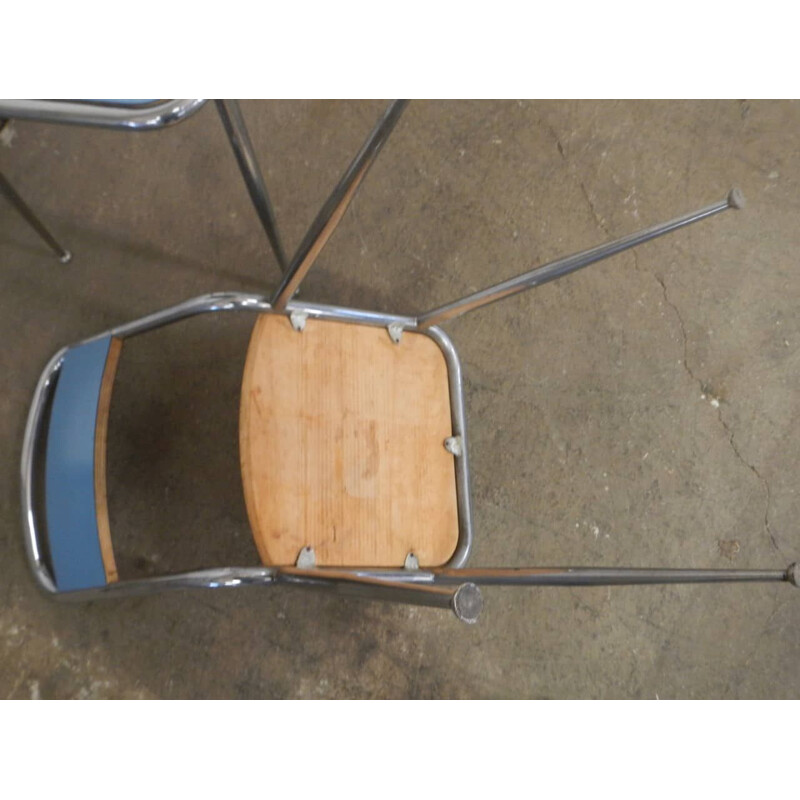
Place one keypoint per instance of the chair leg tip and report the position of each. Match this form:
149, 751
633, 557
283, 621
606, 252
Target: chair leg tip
468, 603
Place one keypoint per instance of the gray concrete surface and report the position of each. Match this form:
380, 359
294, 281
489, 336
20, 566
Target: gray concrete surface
643, 412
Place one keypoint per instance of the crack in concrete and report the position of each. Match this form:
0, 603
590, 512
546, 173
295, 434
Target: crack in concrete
552, 131
704, 389
761, 478
563, 153
22, 677
777, 606
597, 218
684, 337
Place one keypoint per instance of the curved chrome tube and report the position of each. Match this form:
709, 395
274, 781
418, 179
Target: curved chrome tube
217, 578
242, 576
32, 429
26, 212
458, 419
463, 599
101, 115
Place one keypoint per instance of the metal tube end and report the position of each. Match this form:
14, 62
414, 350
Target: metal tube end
468, 603
793, 574
736, 199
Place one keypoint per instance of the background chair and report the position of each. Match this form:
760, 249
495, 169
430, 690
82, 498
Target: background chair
145, 115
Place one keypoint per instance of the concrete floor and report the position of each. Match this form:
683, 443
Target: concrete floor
642, 412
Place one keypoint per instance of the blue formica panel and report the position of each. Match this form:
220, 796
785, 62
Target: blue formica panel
69, 469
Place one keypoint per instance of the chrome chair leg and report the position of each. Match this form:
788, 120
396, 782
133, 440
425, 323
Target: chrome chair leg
564, 266
331, 213
24, 209
235, 128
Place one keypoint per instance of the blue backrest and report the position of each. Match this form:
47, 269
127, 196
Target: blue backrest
69, 469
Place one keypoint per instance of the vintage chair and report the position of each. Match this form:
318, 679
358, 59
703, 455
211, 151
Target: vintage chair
144, 115
353, 445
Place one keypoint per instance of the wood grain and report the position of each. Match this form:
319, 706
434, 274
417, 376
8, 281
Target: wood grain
100, 439
341, 444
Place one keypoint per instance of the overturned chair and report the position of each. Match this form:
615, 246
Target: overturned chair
353, 445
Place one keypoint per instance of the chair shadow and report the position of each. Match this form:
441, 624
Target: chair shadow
174, 484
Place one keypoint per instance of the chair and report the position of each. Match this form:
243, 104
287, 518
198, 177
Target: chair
144, 115
353, 445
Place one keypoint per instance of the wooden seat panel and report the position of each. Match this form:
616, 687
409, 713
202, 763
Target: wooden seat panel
341, 445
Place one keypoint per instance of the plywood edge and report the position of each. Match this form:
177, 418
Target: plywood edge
100, 460
245, 460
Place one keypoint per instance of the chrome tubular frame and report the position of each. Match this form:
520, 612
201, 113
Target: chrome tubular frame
150, 117
452, 586
331, 213
380, 584
232, 120
127, 117
11, 194
564, 266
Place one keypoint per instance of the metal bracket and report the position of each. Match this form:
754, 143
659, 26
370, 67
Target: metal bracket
395, 331
298, 320
454, 445
412, 562
307, 558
